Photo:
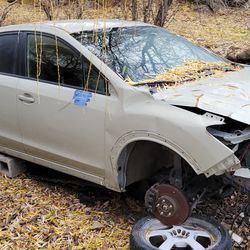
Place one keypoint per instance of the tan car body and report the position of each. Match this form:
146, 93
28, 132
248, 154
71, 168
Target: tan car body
94, 142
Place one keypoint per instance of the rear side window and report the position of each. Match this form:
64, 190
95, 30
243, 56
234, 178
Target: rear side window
8, 46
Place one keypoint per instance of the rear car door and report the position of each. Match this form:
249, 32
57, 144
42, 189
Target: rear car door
10, 136
61, 104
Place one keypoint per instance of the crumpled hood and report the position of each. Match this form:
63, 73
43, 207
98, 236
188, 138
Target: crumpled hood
227, 96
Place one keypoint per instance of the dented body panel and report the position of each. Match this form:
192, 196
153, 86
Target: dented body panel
228, 95
177, 129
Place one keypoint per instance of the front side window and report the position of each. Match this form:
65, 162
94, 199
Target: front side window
50, 59
8, 47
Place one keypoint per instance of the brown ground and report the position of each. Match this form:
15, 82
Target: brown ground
42, 210
37, 214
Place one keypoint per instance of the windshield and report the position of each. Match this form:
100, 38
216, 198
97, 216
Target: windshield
140, 53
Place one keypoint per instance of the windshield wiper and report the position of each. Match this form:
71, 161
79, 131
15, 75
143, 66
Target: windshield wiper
159, 82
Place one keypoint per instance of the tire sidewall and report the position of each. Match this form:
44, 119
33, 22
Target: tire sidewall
138, 239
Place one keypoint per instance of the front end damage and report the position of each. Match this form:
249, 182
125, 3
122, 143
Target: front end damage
224, 101
236, 139
180, 190
236, 136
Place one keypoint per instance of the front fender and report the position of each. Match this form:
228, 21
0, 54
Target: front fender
180, 130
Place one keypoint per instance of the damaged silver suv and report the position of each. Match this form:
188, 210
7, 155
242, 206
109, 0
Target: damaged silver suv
117, 102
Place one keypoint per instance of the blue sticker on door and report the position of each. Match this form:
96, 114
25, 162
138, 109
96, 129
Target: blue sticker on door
81, 98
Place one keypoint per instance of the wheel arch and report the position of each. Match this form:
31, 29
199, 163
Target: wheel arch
131, 168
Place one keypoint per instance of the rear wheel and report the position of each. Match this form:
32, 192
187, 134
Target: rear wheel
197, 233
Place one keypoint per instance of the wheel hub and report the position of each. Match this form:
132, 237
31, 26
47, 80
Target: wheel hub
168, 204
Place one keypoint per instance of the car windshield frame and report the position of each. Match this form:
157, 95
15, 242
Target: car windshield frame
122, 46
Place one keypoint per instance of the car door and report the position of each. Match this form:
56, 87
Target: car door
10, 136
61, 105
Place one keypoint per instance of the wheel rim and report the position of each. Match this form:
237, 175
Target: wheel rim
186, 236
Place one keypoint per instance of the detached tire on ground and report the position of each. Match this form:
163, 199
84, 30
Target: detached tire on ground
197, 233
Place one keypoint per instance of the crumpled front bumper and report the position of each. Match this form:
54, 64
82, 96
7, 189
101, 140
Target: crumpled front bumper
239, 143
229, 164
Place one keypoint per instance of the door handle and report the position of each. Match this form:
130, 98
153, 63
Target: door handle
27, 98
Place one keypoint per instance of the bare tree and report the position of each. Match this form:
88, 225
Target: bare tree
75, 10
162, 13
4, 15
155, 11
147, 10
134, 10
47, 6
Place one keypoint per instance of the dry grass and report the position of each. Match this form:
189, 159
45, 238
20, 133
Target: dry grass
222, 32
190, 71
38, 215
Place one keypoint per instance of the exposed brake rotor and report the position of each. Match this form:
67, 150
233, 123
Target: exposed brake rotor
168, 204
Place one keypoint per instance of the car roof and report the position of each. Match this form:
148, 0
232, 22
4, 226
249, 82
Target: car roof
72, 26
